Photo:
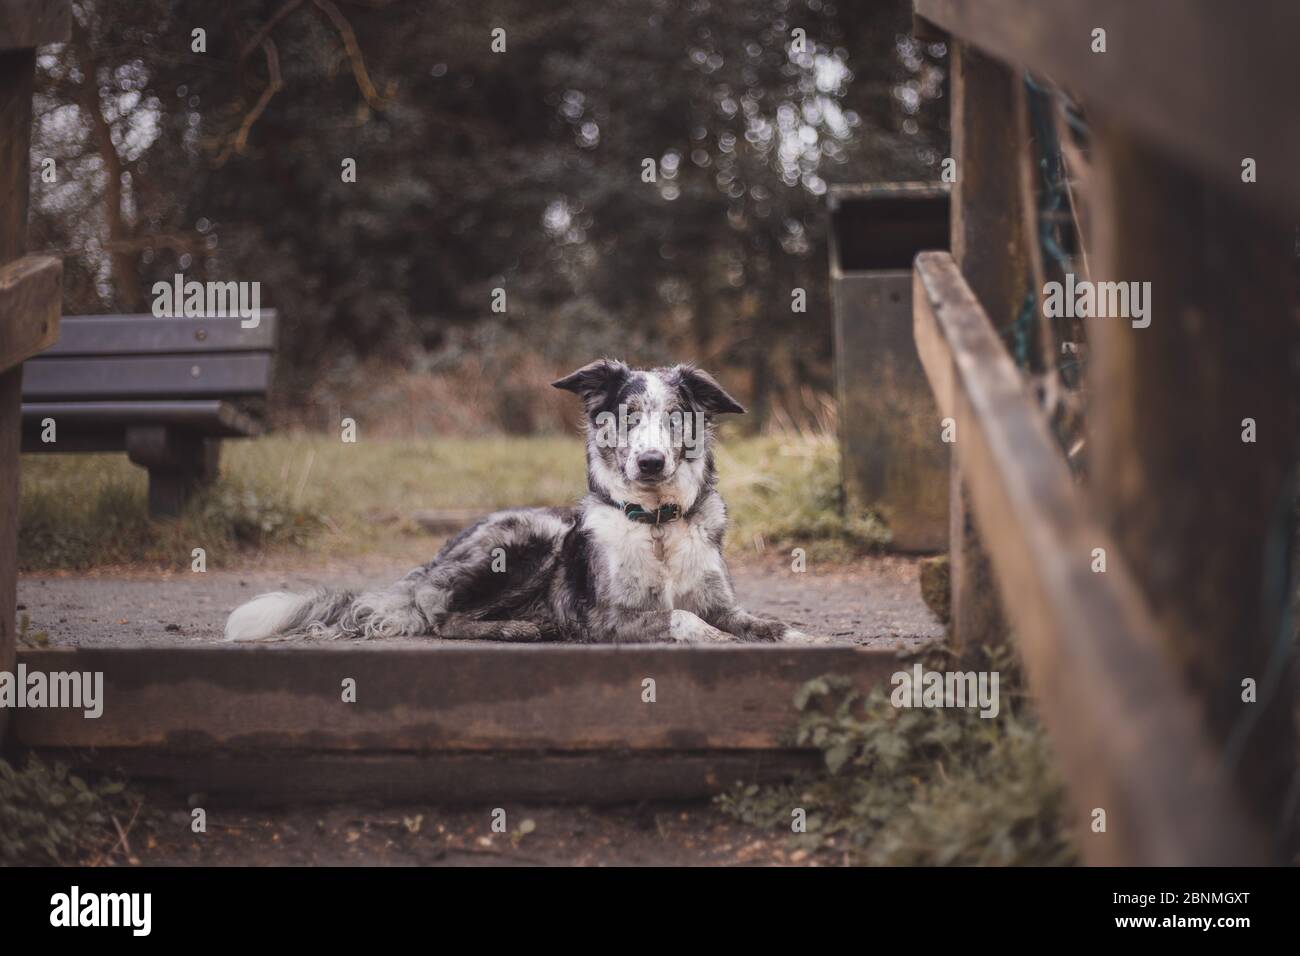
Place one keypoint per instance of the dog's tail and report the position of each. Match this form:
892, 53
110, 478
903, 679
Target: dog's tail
325, 613
392, 611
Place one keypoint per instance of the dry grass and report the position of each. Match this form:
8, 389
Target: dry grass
466, 395
287, 493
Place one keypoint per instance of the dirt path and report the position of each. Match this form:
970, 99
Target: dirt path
872, 602
540, 835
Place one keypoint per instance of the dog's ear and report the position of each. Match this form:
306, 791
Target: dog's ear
705, 392
593, 382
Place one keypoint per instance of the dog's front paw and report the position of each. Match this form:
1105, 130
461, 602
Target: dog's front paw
688, 628
791, 636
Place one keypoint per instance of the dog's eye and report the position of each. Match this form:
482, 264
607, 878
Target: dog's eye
633, 419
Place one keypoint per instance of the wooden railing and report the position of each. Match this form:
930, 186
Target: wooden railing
1160, 673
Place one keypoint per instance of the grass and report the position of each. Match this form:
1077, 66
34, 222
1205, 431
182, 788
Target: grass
290, 493
784, 492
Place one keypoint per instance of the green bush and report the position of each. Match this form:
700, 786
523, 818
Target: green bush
908, 786
50, 816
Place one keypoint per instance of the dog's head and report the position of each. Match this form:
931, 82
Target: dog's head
649, 431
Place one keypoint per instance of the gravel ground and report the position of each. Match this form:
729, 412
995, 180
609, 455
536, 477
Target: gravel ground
648, 834
873, 602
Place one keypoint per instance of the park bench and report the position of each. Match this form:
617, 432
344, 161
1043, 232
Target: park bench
164, 390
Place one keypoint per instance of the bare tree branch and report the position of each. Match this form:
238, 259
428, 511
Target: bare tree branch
373, 99
262, 38
265, 31
275, 83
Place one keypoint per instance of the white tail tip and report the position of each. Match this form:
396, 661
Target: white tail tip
264, 616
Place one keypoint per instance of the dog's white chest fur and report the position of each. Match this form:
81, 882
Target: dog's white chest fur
641, 579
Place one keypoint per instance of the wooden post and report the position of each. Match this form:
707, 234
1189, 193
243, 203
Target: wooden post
1197, 508
24, 25
16, 73
987, 246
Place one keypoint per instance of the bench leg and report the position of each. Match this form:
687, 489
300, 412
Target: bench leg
178, 463
169, 489
209, 461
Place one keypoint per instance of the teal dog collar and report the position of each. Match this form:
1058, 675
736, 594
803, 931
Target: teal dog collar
661, 515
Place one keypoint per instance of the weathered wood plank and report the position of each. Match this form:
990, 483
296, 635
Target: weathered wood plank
17, 71
976, 618
27, 24
250, 779
1207, 82
96, 335
987, 223
1128, 735
1201, 515
11, 383
987, 244
440, 698
31, 298
17, 74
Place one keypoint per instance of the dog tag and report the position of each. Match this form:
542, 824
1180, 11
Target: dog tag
657, 536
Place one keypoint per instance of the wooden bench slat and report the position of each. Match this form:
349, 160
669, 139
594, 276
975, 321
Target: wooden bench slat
123, 377
77, 421
136, 334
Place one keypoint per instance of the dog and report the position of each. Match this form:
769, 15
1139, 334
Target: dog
638, 560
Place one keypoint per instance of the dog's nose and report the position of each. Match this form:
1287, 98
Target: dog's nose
650, 463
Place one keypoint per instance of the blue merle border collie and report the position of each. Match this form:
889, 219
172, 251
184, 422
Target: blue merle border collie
638, 560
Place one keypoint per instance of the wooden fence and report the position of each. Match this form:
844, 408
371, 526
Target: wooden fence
1139, 670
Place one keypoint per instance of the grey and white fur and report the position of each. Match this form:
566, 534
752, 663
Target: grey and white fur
586, 573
